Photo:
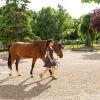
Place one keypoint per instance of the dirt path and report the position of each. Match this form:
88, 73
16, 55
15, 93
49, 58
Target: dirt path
78, 79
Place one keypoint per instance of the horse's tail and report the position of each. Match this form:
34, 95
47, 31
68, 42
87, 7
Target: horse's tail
9, 57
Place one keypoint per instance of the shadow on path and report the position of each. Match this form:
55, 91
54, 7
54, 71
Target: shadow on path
17, 92
6, 79
94, 56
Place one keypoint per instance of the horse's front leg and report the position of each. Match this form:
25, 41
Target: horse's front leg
33, 64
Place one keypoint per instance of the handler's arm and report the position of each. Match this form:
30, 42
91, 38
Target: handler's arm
48, 54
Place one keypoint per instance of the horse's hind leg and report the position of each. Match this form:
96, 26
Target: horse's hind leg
10, 65
33, 63
17, 62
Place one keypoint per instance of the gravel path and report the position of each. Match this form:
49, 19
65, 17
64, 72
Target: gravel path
78, 79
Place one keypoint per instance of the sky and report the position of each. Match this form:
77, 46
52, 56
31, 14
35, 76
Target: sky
74, 7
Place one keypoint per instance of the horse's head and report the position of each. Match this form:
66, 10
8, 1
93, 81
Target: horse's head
58, 49
56, 46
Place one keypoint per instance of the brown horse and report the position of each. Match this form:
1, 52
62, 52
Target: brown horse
35, 50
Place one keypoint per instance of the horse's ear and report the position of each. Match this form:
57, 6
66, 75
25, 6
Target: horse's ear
47, 44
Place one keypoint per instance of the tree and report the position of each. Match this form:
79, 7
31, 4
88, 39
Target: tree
65, 22
89, 1
14, 24
45, 23
87, 34
51, 23
74, 33
95, 21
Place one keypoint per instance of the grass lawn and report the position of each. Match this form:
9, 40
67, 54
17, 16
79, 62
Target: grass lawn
97, 50
3, 52
73, 46
79, 46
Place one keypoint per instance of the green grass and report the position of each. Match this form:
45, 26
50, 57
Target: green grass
97, 50
73, 46
3, 52
97, 45
79, 46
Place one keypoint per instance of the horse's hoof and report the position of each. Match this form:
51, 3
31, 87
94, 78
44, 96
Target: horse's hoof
31, 76
19, 75
10, 75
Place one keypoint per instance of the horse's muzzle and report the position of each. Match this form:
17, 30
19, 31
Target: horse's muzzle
60, 56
